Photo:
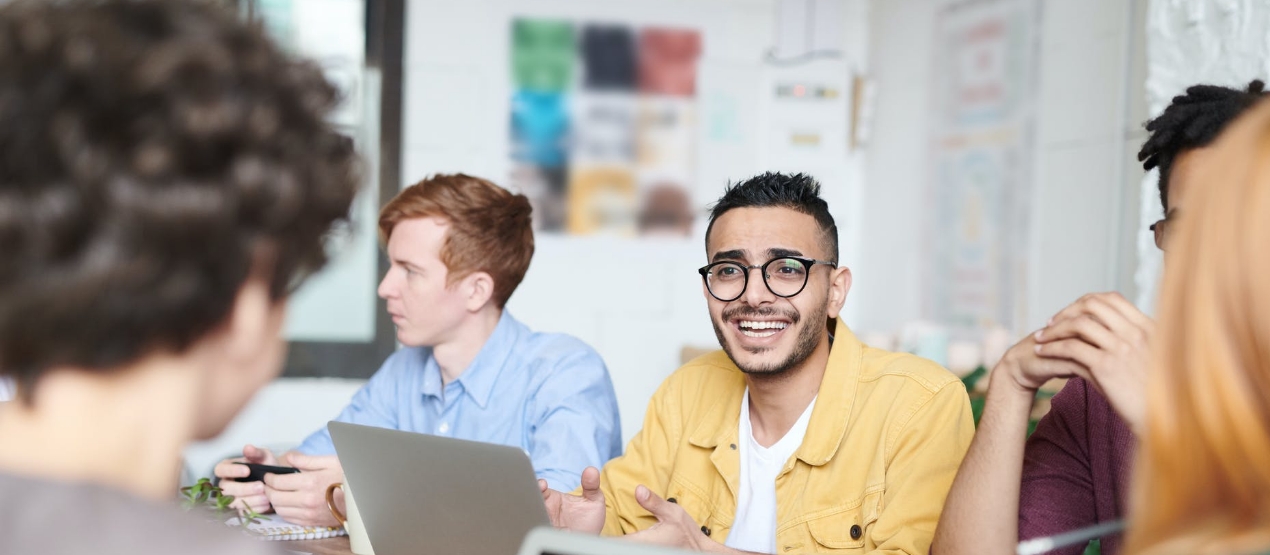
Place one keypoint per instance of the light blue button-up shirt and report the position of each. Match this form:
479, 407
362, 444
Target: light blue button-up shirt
547, 393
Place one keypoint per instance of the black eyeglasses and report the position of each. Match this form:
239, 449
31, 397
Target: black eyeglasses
784, 277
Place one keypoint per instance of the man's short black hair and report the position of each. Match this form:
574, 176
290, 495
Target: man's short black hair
1193, 120
152, 154
799, 192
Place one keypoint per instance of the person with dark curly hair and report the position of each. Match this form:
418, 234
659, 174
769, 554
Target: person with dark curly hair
167, 177
1200, 482
1073, 472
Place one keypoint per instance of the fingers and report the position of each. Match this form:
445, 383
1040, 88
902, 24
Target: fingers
257, 455
301, 507
306, 515
310, 462
227, 469
1032, 370
1104, 312
1075, 350
653, 503
257, 503
648, 536
242, 489
1043, 369
246, 494
552, 500
1112, 310
546, 490
289, 501
1129, 311
293, 482
591, 484
301, 497
1082, 327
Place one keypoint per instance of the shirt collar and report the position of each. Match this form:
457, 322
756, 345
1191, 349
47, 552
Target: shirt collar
480, 376
432, 386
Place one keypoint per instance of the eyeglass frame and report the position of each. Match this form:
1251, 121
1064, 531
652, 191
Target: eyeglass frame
809, 263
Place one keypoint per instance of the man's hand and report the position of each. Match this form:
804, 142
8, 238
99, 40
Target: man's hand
576, 513
1025, 371
674, 528
246, 494
1110, 337
301, 498
981, 512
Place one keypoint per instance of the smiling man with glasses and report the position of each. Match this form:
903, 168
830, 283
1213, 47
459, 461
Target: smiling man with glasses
796, 437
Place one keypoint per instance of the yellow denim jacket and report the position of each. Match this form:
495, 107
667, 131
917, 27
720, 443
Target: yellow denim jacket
885, 439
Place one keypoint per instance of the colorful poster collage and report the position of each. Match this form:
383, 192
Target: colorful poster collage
603, 126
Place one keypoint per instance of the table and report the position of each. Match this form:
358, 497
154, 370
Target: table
330, 546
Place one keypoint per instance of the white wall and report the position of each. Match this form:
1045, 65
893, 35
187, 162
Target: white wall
888, 284
638, 302
1088, 135
1086, 138
1221, 43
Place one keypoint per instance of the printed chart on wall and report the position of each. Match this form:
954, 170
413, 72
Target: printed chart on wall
603, 126
980, 160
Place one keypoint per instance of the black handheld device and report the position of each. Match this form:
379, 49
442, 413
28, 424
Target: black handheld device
258, 471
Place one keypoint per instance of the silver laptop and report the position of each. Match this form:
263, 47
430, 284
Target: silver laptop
421, 494
546, 541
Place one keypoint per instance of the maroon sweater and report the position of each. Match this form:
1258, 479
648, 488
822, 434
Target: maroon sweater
1076, 468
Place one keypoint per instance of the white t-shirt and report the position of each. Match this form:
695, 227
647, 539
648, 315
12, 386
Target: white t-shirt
755, 526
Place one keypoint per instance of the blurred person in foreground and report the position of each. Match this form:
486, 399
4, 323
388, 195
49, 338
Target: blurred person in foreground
1074, 471
1202, 482
167, 176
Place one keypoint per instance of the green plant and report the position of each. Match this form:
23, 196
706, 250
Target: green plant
972, 379
206, 494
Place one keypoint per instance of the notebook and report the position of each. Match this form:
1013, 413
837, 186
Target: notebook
274, 528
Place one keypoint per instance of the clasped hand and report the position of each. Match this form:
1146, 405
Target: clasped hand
1102, 338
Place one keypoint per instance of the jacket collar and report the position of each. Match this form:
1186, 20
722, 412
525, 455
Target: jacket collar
829, 418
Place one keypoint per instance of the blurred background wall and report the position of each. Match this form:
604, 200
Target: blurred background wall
1084, 180
978, 155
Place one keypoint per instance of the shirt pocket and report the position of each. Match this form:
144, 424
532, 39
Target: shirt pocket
844, 531
696, 505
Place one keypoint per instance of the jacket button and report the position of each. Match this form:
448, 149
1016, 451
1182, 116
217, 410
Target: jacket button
705, 530
672, 500
855, 531
733, 446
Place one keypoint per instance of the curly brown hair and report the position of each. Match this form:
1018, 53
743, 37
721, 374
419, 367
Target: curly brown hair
150, 152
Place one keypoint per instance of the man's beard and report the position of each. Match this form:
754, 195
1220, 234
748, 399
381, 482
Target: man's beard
807, 341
